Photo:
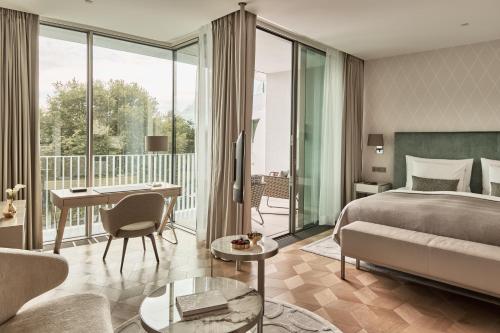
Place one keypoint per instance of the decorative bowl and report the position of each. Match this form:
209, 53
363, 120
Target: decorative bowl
254, 237
240, 244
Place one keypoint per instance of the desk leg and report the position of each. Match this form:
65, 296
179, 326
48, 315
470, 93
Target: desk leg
261, 290
60, 229
166, 218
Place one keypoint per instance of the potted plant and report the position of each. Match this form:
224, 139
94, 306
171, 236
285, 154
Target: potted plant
9, 210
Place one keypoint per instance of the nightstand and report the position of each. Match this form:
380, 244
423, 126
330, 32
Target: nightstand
364, 188
12, 229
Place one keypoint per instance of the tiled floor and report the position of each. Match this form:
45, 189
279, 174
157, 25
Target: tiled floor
365, 303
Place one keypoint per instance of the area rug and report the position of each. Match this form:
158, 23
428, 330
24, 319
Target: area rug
326, 247
279, 317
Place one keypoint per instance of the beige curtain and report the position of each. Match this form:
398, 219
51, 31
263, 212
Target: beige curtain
19, 140
352, 126
232, 86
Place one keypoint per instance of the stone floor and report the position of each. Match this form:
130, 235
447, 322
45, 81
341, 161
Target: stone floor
365, 303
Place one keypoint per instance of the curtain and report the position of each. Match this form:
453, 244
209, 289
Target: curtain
19, 123
331, 138
232, 94
352, 126
203, 130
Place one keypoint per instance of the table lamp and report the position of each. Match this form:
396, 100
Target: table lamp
155, 144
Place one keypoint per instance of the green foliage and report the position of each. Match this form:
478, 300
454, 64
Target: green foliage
123, 114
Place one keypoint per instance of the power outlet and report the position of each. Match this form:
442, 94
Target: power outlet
379, 169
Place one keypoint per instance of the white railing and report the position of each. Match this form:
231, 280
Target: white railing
60, 172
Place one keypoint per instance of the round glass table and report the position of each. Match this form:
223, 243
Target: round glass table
159, 312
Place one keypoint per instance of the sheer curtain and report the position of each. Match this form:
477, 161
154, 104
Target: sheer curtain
331, 138
203, 130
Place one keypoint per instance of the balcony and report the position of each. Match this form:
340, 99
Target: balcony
60, 172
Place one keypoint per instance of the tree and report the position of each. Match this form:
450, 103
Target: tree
123, 113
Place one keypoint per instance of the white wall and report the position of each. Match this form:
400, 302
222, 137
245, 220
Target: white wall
271, 146
452, 89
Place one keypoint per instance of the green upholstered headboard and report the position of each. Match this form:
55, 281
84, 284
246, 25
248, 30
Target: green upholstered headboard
448, 145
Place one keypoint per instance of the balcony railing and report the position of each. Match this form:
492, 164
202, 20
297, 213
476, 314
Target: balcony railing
60, 172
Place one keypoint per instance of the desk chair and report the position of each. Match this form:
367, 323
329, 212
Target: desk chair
136, 215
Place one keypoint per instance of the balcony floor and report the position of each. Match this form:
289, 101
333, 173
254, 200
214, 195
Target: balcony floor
367, 302
276, 220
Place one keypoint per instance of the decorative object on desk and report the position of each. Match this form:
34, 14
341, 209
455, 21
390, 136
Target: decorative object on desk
377, 141
78, 189
9, 210
254, 237
240, 244
155, 144
200, 303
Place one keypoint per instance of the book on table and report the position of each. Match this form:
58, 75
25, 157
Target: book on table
200, 303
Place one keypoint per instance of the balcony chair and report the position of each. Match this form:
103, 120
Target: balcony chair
136, 215
25, 275
257, 189
277, 186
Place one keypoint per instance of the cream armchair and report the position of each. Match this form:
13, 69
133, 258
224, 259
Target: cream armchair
136, 215
25, 275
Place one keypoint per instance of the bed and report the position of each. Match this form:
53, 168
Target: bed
452, 237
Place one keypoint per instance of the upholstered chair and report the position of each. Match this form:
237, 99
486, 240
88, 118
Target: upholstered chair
25, 275
136, 215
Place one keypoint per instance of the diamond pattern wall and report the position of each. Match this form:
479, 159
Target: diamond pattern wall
452, 89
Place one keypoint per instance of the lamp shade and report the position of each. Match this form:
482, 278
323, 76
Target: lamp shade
375, 140
154, 143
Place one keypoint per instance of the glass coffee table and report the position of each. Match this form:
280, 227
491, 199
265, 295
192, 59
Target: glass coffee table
159, 313
264, 249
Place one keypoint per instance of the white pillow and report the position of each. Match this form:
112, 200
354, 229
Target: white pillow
455, 165
494, 175
486, 165
440, 171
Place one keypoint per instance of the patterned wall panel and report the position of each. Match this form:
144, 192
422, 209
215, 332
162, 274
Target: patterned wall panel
452, 89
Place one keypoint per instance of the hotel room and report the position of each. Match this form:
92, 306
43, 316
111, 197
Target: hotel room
270, 166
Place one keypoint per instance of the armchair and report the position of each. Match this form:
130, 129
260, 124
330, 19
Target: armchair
25, 275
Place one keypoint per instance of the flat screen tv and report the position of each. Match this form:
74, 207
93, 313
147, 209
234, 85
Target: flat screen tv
239, 168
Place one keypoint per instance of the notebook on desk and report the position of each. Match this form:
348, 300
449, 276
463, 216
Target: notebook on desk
122, 188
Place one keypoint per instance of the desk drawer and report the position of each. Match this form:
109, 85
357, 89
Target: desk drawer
84, 202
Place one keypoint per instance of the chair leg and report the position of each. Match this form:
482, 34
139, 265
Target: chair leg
143, 244
342, 266
125, 242
152, 237
261, 218
107, 247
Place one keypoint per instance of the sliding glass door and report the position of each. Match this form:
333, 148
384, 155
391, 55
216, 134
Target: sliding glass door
309, 102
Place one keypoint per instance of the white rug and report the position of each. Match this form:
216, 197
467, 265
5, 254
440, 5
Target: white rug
279, 317
327, 247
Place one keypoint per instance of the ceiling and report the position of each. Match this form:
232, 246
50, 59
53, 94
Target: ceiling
366, 28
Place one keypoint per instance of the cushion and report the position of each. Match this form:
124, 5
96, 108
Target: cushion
486, 164
495, 189
137, 229
83, 313
432, 184
439, 169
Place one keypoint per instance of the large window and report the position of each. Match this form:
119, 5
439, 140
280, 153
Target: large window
63, 119
132, 96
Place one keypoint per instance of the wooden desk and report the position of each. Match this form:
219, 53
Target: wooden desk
65, 199
12, 229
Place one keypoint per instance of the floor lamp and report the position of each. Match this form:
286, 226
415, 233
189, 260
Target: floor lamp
155, 144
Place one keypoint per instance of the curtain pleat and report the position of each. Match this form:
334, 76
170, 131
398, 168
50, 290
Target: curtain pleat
352, 126
19, 119
331, 138
232, 94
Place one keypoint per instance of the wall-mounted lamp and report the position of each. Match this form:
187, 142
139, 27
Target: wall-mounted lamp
377, 141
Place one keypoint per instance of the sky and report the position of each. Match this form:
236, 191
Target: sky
63, 60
